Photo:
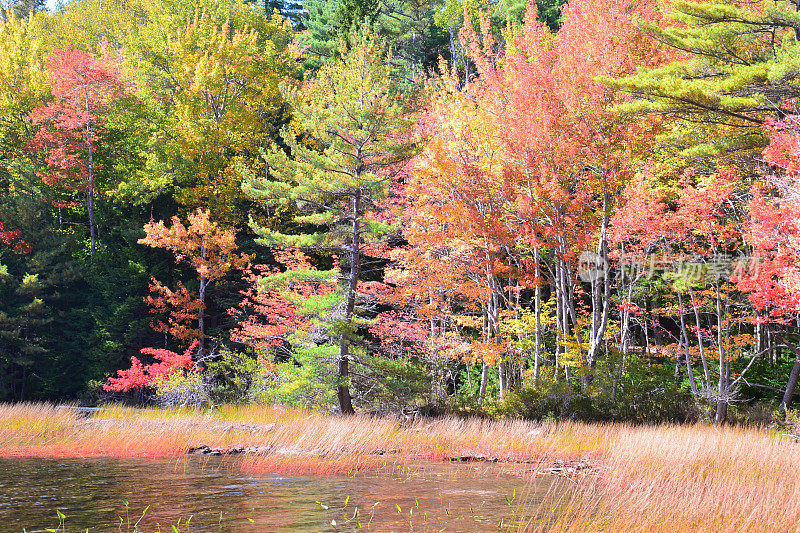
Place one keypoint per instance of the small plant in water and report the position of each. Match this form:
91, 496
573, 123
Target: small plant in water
61, 519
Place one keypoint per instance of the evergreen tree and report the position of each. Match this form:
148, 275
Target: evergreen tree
290, 9
20, 8
352, 14
344, 138
739, 64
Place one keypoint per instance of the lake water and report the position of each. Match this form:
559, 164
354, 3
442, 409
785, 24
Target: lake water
212, 494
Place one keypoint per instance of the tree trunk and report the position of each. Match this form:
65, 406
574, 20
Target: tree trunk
90, 177
706, 376
484, 380
791, 385
599, 314
685, 338
343, 366
92, 226
201, 317
722, 384
537, 353
502, 373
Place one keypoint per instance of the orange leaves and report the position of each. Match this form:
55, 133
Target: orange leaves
209, 250
527, 156
488, 352
203, 244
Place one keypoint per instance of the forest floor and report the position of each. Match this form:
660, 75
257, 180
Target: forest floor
619, 477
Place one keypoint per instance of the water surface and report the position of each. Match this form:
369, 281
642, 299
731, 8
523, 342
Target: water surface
420, 497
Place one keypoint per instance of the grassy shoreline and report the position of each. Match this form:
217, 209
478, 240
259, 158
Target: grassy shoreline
643, 478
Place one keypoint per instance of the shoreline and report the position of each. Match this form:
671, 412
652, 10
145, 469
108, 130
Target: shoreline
621, 477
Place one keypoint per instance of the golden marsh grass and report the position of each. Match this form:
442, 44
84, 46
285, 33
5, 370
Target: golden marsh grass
646, 478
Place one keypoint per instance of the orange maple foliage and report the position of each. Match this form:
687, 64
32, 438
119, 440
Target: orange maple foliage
210, 250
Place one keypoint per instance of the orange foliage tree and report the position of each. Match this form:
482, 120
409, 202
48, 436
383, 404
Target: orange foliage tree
210, 251
519, 175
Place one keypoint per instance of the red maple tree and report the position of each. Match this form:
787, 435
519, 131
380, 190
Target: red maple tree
773, 230
140, 376
68, 131
267, 314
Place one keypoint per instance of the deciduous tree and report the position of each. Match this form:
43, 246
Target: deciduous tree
210, 251
69, 129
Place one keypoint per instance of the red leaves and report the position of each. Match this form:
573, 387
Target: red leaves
400, 333
84, 89
266, 317
774, 227
268, 313
76, 75
140, 376
210, 250
13, 238
697, 217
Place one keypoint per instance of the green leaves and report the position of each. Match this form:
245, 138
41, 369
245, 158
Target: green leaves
347, 131
733, 70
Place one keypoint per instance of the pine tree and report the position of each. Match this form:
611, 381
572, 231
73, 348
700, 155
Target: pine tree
734, 64
345, 136
352, 14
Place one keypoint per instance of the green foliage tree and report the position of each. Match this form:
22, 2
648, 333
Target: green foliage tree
735, 64
407, 26
346, 134
352, 14
20, 8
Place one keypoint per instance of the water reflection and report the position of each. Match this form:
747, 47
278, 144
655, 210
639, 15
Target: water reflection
420, 497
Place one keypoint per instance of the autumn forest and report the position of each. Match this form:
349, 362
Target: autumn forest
587, 211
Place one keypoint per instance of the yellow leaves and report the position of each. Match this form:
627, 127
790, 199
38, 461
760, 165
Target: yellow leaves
736, 345
488, 352
468, 321
215, 72
573, 355
23, 77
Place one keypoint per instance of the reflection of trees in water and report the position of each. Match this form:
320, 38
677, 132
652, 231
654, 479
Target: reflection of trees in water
91, 492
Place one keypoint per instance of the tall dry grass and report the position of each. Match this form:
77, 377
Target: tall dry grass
647, 478
685, 478
40, 430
